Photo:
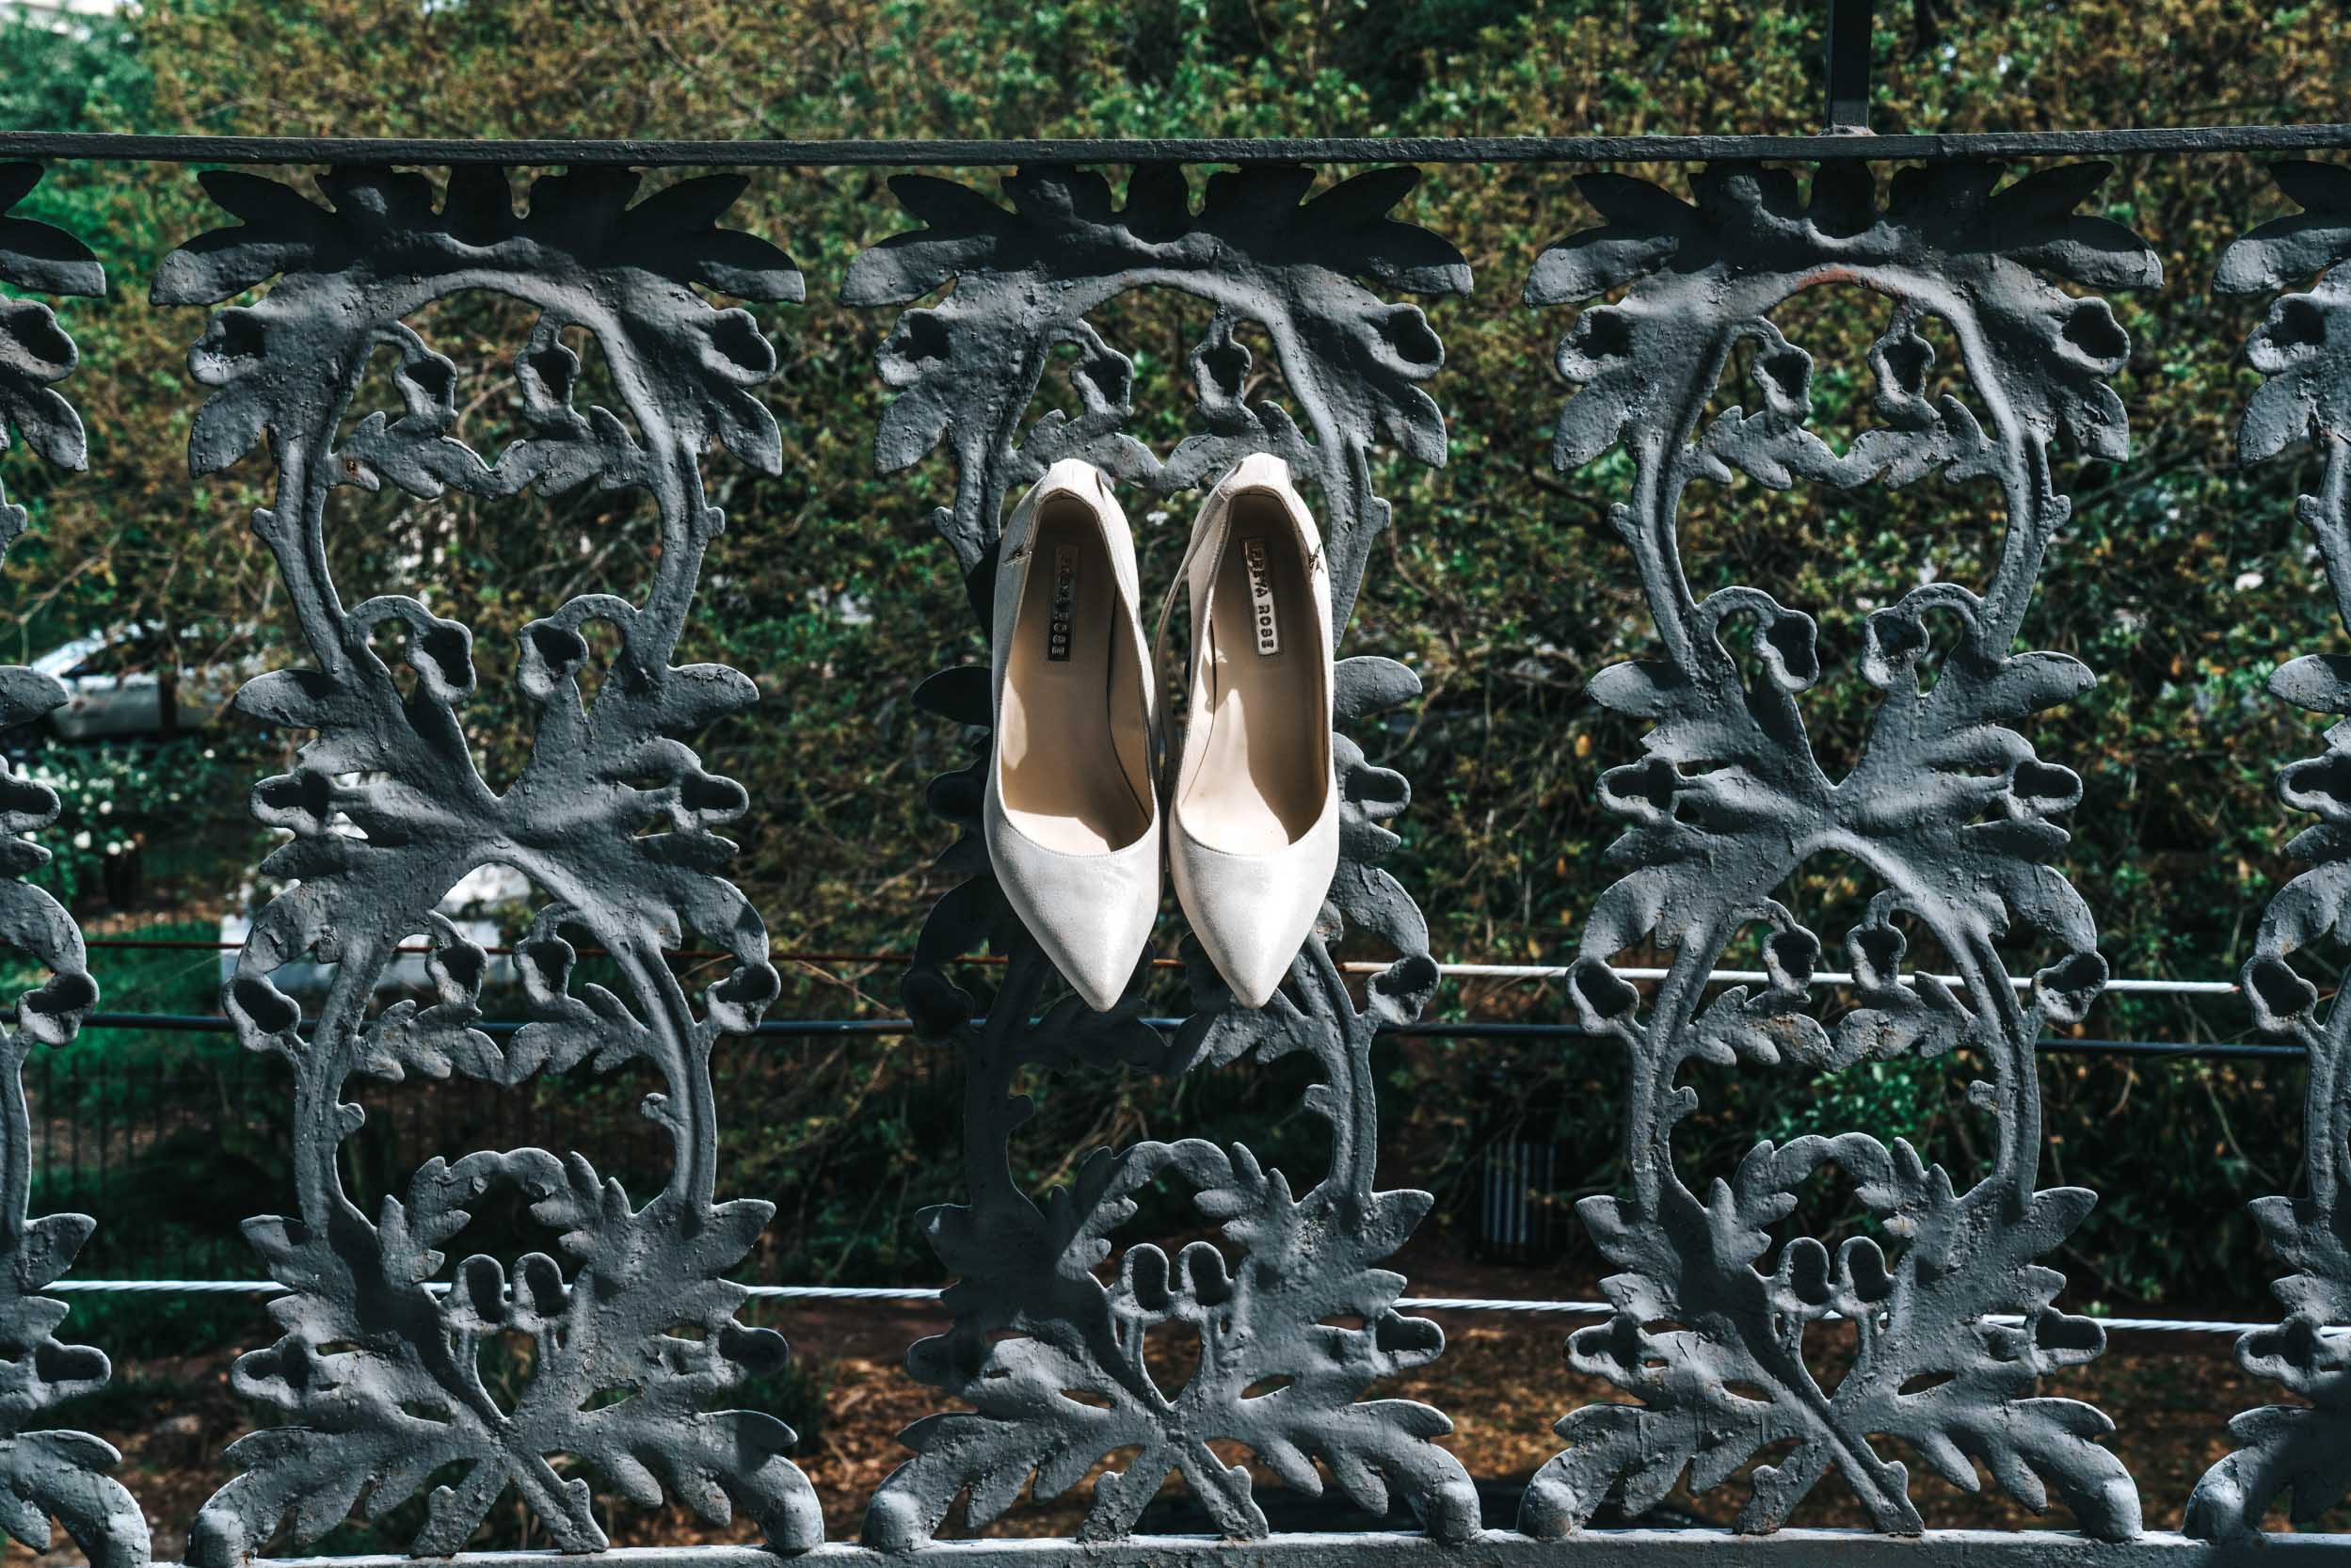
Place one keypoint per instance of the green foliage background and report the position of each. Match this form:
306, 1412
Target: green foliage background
2182, 581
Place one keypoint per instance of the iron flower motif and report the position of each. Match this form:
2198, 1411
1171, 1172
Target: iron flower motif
1049, 1353
1949, 805
42, 1473
2304, 1448
612, 818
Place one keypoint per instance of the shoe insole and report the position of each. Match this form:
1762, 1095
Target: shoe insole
1264, 767
1072, 747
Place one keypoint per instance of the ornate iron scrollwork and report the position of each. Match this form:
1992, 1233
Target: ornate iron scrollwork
2305, 396
612, 818
1049, 1354
1947, 806
66, 1474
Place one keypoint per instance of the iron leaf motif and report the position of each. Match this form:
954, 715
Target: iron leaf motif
2301, 1453
1051, 1317
1949, 805
43, 1474
1259, 248
612, 818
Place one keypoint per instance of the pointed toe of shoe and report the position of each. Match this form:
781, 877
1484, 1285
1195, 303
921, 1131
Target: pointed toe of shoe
1091, 913
1252, 913
1097, 952
1253, 972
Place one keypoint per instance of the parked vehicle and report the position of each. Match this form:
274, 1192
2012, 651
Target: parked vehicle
113, 688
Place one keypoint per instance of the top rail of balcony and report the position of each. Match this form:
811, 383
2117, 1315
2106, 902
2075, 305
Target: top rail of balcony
1848, 144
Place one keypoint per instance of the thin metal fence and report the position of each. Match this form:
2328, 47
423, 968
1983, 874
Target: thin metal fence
1949, 1289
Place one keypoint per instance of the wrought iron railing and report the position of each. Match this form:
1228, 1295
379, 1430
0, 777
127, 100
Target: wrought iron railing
1042, 1379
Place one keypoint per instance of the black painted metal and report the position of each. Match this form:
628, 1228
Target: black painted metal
788, 1029
1948, 808
1848, 65
2300, 348
42, 1473
634, 1328
394, 152
613, 819
1611, 1548
1050, 1357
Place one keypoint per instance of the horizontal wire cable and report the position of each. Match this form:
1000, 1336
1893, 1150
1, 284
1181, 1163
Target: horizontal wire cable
2133, 986
815, 1029
928, 1295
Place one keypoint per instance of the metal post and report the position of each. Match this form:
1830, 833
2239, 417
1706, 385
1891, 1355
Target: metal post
104, 1132
73, 1149
152, 1250
1849, 66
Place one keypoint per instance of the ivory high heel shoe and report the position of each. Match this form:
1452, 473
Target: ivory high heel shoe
1071, 816
1252, 839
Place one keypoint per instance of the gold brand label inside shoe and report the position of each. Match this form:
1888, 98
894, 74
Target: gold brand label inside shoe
1261, 612
1058, 626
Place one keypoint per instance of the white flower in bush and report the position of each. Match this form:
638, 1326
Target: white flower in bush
106, 797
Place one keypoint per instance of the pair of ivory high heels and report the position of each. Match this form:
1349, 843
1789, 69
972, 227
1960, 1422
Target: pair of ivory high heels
1073, 814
